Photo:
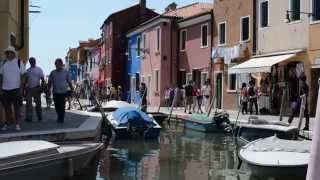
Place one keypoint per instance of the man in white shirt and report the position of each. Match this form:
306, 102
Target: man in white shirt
11, 82
34, 89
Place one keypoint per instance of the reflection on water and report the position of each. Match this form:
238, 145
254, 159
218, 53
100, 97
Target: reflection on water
179, 155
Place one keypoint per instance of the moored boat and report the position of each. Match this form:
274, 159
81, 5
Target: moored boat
279, 158
111, 106
129, 122
217, 123
44, 160
258, 128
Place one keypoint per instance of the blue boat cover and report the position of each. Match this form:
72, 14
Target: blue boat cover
124, 115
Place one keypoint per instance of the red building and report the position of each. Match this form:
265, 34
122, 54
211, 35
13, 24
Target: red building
114, 30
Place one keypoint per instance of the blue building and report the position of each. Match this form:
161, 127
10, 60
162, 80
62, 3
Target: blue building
134, 54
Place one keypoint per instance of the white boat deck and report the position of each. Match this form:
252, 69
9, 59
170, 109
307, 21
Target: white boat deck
274, 152
18, 148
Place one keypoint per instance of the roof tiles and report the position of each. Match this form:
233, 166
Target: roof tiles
190, 10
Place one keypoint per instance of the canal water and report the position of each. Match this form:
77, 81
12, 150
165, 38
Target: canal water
178, 155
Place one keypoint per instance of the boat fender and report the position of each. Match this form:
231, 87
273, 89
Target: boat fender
70, 169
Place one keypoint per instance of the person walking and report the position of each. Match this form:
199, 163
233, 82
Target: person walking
199, 100
119, 93
296, 102
167, 97
189, 97
34, 89
194, 97
304, 90
244, 98
143, 95
59, 81
253, 97
206, 92
12, 81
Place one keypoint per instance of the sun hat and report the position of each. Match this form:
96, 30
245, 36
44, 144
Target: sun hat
10, 49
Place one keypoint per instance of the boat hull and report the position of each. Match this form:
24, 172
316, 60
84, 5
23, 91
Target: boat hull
278, 173
122, 133
53, 168
203, 127
250, 134
159, 117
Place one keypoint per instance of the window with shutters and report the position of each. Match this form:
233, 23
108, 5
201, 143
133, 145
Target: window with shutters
295, 10
245, 29
264, 13
204, 35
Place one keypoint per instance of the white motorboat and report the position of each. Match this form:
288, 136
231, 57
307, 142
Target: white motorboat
128, 122
274, 157
111, 106
259, 128
44, 160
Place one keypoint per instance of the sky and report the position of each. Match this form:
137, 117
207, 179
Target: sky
62, 23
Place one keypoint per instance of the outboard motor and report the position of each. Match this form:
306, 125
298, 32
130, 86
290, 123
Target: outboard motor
222, 120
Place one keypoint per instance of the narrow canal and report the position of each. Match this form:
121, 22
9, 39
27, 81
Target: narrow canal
178, 155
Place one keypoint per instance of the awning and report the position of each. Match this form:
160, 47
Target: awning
259, 64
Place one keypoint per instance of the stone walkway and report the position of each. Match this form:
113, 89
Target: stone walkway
78, 125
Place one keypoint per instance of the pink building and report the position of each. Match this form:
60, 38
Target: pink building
195, 46
161, 60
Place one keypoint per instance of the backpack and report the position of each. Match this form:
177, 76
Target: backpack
251, 91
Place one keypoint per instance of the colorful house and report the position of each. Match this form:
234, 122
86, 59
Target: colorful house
281, 51
160, 58
134, 53
233, 42
14, 31
114, 30
195, 37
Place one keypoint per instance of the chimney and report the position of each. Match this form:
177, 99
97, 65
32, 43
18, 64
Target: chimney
171, 7
143, 7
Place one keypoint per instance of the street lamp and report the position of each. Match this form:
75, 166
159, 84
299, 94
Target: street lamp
300, 12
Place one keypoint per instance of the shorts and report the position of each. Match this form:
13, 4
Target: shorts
189, 100
11, 97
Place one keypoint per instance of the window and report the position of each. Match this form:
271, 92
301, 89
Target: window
204, 77
264, 13
183, 39
232, 82
188, 78
316, 10
158, 40
144, 39
204, 35
157, 80
222, 33
295, 8
137, 81
129, 50
138, 46
245, 29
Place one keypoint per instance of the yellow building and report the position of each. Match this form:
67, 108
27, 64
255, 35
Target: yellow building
14, 26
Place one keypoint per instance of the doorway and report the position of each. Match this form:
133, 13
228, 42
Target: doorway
196, 77
218, 90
